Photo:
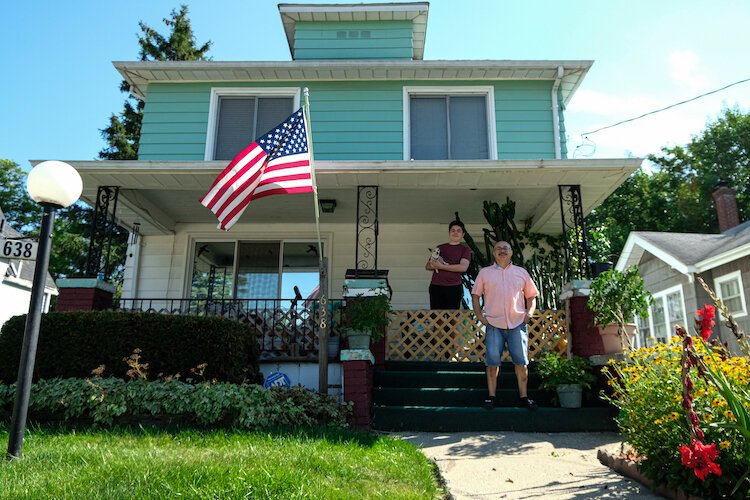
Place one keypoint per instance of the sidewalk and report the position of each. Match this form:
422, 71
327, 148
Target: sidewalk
526, 465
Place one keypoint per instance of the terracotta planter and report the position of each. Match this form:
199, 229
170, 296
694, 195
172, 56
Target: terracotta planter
611, 339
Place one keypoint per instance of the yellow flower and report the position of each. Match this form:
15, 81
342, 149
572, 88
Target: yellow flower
658, 421
724, 445
717, 402
729, 415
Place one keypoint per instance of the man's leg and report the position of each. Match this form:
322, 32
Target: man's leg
493, 346
492, 373
522, 377
518, 345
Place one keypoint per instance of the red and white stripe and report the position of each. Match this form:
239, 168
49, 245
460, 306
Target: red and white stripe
249, 176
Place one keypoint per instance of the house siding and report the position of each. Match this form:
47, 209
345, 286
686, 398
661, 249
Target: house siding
659, 276
385, 40
349, 120
742, 265
402, 249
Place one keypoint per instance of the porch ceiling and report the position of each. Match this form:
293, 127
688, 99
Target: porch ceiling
160, 195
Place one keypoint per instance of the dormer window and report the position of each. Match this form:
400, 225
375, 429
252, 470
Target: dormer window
238, 116
449, 123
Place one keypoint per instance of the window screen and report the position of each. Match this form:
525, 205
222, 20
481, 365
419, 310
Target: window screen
449, 127
242, 120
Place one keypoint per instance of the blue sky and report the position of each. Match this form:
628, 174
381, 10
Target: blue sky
60, 87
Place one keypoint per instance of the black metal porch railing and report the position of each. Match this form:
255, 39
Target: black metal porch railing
285, 328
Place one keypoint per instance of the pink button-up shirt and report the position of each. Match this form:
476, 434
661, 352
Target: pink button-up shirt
504, 292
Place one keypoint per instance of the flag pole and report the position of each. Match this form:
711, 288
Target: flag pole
322, 262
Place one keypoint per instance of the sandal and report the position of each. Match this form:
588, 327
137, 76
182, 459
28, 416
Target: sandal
489, 403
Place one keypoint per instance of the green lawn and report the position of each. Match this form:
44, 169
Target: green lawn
147, 463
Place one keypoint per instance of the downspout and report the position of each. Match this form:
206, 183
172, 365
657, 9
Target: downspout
556, 112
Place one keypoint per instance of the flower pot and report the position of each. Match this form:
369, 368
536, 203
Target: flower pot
569, 395
611, 338
358, 339
333, 346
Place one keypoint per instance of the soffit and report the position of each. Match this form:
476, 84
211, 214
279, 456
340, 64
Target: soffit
161, 195
140, 73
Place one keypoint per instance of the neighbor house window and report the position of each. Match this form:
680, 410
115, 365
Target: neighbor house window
239, 116
729, 290
667, 310
254, 269
449, 123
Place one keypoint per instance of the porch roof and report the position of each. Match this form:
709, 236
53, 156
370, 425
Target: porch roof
160, 195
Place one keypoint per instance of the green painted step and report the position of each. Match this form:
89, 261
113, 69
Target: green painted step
450, 396
446, 378
472, 419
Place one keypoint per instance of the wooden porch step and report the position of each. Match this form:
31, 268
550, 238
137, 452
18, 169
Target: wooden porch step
447, 378
450, 396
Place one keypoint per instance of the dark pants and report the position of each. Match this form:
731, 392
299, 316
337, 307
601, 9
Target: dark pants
446, 297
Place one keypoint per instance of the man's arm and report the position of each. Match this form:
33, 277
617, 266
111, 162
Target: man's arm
531, 307
478, 310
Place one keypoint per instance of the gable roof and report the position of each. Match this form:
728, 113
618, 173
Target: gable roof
687, 252
25, 275
414, 12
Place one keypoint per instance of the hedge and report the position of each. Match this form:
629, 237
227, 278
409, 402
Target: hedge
72, 344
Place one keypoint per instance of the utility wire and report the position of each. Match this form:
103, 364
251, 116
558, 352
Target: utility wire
668, 107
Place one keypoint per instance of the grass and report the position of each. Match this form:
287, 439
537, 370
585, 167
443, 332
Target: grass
152, 463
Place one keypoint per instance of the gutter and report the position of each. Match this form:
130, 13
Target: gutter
556, 112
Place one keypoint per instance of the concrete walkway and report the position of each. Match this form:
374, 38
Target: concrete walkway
526, 465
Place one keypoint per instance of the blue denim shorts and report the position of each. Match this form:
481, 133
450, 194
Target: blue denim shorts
518, 344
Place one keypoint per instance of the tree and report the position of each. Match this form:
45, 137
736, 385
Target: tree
124, 130
676, 195
21, 212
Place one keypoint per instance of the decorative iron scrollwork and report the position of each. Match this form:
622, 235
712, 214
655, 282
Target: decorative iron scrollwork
366, 250
102, 229
574, 232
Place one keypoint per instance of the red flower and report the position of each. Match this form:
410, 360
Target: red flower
700, 458
707, 315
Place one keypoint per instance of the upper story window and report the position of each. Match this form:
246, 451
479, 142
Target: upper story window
729, 290
449, 123
238, 116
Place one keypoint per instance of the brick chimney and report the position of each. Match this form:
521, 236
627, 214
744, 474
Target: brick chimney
726, 206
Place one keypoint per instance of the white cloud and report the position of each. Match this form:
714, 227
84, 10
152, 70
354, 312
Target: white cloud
686, 72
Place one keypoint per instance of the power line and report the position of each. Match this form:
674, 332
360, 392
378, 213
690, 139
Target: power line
666, 108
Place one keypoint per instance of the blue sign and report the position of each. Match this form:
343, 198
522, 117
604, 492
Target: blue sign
277, 379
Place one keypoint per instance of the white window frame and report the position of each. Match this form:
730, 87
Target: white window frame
662, 295
729, 277
487, 91
326, 240
218, 92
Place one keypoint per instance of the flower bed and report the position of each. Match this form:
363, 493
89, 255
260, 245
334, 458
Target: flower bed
684, 410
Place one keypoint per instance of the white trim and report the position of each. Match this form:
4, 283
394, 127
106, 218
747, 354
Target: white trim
556, 113
488, 91
213, 107
633, 239
724, 258
729, 277
662, 295
286, 8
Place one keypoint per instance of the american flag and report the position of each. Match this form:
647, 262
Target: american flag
277, 163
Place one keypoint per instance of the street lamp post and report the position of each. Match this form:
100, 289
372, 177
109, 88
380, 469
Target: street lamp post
54, 185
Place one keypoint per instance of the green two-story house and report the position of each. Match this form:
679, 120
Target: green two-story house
400, 144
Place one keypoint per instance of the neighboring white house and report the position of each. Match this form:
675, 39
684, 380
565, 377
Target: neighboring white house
15, 281
671, 262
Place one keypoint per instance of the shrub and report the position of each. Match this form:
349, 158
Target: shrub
111, 401
72, 344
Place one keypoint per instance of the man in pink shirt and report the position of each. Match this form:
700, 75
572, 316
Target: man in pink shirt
509, 302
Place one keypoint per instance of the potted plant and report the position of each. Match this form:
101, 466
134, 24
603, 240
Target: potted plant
365, 319
616, 298
567, 376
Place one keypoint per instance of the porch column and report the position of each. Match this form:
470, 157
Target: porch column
574, 232
102, 230
84, 294
583, 335
358, 379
